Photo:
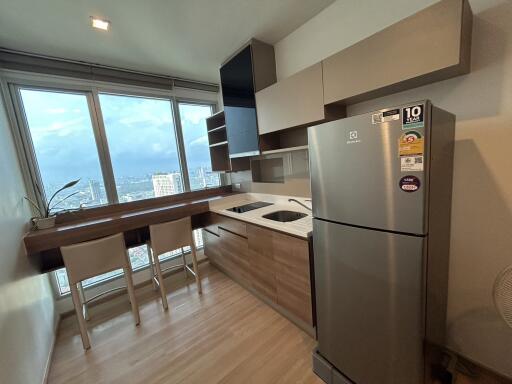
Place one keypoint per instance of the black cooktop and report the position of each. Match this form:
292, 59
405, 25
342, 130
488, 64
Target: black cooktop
249, 207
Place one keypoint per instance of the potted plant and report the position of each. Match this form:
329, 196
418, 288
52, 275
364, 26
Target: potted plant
46, 218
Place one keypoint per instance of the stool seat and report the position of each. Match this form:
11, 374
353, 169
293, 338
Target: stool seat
93, 258
167, 237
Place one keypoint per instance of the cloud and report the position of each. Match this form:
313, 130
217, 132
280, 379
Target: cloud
56, 111
195, 114
199, 141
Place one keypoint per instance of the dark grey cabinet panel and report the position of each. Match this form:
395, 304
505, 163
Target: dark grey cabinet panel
241, 76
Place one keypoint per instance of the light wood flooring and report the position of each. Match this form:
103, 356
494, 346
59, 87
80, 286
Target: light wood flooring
224, 336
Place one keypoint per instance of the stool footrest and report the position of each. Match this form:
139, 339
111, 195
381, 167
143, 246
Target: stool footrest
190, 270
85, 302
172, 267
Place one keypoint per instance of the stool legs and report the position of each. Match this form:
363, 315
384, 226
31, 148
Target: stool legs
194, 265
80, 315
159, 276
131, 294
83, 301
151, 265
184, 263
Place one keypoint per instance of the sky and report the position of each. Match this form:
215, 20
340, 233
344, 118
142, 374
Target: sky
140, 135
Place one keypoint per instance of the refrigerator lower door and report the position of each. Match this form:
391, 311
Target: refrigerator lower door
369, 297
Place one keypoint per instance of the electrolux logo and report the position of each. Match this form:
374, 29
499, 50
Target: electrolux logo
353, 137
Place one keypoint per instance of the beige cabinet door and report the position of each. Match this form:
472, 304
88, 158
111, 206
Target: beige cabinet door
431, 45
292, 102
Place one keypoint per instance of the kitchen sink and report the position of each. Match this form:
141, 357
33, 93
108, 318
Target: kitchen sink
284, 216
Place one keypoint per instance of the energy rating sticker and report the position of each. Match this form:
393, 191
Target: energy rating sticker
411, 143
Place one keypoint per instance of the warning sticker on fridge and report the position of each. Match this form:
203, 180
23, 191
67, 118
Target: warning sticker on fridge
413, 117
411, 163
411, 143
384, 117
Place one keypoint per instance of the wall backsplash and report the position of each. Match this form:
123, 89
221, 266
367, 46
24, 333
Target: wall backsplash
295, 179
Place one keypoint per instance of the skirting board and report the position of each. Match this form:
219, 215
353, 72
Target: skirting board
52, 348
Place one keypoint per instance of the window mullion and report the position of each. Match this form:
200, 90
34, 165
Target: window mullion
102, 145
181, 144
35, 187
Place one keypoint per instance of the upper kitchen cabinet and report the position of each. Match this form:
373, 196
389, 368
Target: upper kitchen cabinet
293, 102
431, 45
249, 70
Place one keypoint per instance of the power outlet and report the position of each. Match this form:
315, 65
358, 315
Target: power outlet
237, 186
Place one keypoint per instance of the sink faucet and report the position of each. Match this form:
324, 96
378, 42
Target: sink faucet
298, 202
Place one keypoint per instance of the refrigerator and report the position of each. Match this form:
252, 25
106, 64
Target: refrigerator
381, 187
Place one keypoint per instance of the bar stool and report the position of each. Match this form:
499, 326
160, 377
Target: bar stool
167, 237
93, 258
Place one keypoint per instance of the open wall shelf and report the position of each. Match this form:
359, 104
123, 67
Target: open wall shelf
219, 150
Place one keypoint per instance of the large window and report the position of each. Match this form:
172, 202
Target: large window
121, 147
142, 145
195, 136
63, 140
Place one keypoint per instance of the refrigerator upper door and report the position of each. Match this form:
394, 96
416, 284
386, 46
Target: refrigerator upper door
369, 296
370, 170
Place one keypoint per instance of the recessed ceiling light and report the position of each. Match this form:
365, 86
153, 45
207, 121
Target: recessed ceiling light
100, 24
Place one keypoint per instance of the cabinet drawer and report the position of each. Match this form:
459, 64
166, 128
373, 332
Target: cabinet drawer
211, 246
218, 221
234, 255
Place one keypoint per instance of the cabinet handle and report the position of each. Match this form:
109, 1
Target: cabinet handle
211, 233
233, 233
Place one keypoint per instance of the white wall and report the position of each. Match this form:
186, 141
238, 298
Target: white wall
27, 319
481, 242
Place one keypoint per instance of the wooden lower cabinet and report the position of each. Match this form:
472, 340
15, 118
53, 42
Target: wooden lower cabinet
261, 260
211, 246
233, 251
293, 279
272, 264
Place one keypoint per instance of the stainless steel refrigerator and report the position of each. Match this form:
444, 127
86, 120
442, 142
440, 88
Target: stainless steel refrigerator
381, 186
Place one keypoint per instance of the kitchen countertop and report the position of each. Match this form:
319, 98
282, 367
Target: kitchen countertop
300, 228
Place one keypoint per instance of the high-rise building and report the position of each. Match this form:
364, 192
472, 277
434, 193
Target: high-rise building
167, 184
94, 189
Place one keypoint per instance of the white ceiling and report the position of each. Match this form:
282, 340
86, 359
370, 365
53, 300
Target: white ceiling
184, 38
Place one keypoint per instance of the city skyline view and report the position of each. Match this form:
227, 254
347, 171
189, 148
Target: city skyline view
141, 143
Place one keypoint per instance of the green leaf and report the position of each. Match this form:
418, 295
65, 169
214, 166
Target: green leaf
68, 185
34, 205
61, 200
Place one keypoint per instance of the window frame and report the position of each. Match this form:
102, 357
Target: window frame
214, 109
12, 82
98, 133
